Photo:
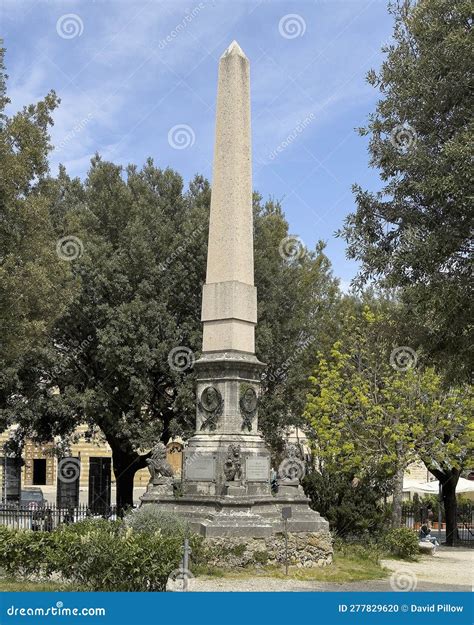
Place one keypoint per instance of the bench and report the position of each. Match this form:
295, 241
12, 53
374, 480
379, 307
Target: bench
426, 547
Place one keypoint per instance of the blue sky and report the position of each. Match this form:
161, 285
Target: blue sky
128, 72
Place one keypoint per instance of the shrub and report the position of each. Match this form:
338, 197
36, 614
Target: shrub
150, 518
22, 552
239, 549
104, 556
402, 542
101, 555
260, 557
367, 550
353, 510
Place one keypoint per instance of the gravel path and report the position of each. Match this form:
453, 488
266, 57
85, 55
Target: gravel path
449, 570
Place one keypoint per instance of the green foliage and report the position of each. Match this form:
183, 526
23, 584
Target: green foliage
36, 285
402, 542
352, 506
260, 557
366, 550
366, 412
141, 274
22, 552
150, 518
414, 233
239, 550
109, 560
94, 555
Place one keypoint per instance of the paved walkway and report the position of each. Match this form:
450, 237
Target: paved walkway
451, 569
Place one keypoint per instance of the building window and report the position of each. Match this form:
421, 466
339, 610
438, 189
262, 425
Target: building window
39, 471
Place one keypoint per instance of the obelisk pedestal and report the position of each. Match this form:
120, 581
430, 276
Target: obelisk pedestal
226, 471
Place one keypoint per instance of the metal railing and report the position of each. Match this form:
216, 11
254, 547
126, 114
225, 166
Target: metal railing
465, 521
47, 518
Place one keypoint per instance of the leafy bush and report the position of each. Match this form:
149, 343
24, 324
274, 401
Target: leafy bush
94, 555
22, 552
352, 509
402, 542
260, 557
239, 550
151, 518
112, 557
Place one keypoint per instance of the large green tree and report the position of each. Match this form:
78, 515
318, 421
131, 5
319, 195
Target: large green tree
374, 407
414, 234
35, 285
121, 356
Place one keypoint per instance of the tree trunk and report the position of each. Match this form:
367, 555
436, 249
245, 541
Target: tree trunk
448, 478
124, 482
166, 417
125, 467
450, 508
397, 499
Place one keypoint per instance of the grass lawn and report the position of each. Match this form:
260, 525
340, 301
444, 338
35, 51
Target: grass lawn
351, 565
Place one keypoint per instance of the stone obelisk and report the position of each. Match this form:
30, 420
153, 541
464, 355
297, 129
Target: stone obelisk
229, 305
226, 470
227, 458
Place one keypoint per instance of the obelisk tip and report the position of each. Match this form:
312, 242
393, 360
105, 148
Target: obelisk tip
234, 49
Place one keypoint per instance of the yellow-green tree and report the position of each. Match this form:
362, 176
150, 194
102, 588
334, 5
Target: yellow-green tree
373, 405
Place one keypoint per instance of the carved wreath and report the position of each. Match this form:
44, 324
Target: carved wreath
210, 405
292, 468
248, 407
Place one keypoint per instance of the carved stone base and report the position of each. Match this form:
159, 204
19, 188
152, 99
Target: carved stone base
244, 516
308, 550
212, 502
162, 487
234, 489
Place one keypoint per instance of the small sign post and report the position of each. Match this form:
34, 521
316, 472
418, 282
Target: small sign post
285, 515
186, 554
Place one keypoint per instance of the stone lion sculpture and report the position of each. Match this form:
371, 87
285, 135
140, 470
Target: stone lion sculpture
233, 465
158, 466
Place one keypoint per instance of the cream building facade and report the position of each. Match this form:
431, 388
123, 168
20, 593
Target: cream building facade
40, 465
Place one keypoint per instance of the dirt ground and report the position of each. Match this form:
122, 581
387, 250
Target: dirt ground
450, 569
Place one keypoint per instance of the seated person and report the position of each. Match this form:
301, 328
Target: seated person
425, 536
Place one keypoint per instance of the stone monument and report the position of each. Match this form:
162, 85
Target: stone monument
226, 473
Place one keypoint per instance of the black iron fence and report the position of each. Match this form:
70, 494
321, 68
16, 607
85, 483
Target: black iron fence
46, 518
414, 517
